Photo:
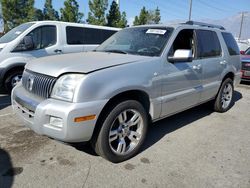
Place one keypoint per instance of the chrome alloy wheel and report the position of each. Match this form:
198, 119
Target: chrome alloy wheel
15, 80
227, 95
126, 132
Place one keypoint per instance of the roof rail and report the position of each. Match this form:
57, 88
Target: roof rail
205, 25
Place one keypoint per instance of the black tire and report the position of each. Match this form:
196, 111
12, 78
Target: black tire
218, 102
102, 146
9, 78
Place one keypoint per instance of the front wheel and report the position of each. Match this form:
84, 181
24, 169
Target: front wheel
12, 79
224, 98
123, 132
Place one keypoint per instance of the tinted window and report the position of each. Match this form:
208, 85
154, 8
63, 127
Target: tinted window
96, 36
75, 35
78, 35
208, 44
43, 37
232, 46
247, 52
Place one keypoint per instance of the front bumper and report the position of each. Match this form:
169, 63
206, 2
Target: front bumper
36, 114
245, 75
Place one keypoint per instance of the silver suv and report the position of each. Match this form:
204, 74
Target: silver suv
139, 75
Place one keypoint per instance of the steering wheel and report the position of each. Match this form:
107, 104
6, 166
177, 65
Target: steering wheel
150, 49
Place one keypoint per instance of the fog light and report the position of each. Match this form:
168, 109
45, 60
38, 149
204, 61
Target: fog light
56, 122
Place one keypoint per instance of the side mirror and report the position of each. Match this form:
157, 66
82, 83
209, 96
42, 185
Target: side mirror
25, 44
181, 56
28, 42
242, 52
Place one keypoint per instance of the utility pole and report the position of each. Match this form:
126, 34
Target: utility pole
190, 9
241, 23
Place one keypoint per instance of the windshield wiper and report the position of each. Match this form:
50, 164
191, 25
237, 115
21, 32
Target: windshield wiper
116, 51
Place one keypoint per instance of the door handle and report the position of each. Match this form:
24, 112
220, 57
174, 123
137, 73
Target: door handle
58, 51
196, 67
224, 62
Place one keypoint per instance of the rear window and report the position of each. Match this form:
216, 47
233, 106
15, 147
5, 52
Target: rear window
208, 44
232, 46
80, 35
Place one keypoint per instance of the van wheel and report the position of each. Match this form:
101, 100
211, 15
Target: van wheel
223, 101
12, 79
123, 132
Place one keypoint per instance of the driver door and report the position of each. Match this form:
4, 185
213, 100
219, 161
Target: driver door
182, 81
45, 42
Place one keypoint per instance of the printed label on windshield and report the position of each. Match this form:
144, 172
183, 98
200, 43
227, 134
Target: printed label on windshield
156, 31
18, 32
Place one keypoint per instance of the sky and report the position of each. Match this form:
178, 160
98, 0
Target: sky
171, 9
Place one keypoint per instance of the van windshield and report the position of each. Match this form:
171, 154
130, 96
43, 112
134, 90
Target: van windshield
146, 41
14, 33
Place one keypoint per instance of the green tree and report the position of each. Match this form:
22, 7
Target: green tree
16, 12
114, 15
70, 12
38, 15
49, 12
115, 18
143, 17
123, 21
136, 21
148, 17
97, 9
157, 16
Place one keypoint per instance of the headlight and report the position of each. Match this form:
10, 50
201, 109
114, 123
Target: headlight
65, 86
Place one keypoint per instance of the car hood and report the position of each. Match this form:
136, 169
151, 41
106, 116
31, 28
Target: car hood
80, 62
2, 45
245, 58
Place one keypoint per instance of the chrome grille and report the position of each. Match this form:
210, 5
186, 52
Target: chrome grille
246, 66
38, 84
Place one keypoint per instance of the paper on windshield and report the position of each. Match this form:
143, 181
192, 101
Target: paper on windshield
18, 32
156, 31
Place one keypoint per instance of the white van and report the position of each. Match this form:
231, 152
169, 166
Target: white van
38, 39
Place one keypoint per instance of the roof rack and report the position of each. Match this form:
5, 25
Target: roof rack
205, 25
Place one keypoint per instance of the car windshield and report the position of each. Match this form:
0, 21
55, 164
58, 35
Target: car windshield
247, 52
14, 33
146, 41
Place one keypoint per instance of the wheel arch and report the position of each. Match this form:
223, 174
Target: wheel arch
8, 70
138, 95
228, 75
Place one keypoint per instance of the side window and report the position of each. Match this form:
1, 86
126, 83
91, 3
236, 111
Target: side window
80, 35
232, 46
43, 37
96, 36
208, 44
184, 41
75, 35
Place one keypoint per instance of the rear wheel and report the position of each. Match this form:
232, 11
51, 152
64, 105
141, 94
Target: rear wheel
224, 98
123, 131
12, 79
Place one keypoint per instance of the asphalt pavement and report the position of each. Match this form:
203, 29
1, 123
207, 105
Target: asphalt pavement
196, 148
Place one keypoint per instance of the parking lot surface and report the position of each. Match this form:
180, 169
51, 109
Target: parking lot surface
196, 148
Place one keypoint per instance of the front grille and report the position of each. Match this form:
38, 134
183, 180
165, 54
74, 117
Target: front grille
246, 66
38, 84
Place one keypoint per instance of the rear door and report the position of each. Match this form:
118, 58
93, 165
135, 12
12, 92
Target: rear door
80, 39
212, 60
74, 39
93, 37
